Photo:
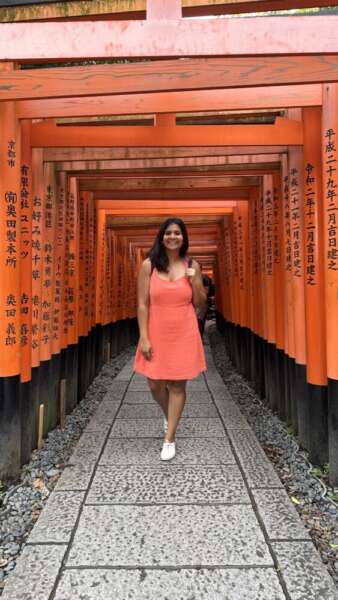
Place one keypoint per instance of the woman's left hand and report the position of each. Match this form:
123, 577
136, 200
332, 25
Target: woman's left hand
191, 273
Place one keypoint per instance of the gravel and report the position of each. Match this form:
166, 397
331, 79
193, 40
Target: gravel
22, 501
306, 485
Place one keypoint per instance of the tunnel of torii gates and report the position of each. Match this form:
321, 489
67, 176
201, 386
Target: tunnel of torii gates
239, 139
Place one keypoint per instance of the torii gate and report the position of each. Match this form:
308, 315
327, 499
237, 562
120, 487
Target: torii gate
247, 64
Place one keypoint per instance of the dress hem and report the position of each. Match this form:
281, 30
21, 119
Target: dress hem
187, 378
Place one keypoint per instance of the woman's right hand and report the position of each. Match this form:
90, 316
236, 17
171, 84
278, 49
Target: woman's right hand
145, 348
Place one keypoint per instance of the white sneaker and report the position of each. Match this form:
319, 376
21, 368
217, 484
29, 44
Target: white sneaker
165, 425
168, 451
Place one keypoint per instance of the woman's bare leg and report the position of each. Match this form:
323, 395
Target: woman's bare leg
160, 393
177, 396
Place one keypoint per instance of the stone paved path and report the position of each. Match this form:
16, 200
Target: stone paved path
215, 523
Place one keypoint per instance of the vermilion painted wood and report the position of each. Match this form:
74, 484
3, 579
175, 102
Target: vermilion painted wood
205, 37
37, 249
154, 204
47, 269
330, 204
167, 75
296, 165
74, 154
10, 284
230, 99
288, 293
171, 211
316, 369
282, 132
26, 252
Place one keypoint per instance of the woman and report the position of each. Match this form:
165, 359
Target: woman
170, 349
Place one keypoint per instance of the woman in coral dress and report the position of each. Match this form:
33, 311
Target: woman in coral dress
170, 348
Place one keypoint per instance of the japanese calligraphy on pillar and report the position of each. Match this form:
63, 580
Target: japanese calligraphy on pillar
26, 268
92, 260
295, 217
287, 224
268, 213
10, 245
60, 224
37, 242
11, 153
71, 262
310, 225
47, 264
330, 190
87, 278
11, 202
330, 223
81, 263
240, 237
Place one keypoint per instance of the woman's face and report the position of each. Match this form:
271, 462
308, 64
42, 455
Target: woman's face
173, 237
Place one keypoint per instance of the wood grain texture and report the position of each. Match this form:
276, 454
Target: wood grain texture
167, 76
183, 37
172, 102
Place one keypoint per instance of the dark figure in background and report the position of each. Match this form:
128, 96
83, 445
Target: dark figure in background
202, 313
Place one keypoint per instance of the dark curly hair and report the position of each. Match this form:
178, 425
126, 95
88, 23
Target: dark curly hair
157, 254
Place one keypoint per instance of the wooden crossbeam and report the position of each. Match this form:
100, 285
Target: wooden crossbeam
156, 178
160, 184
225, 163
166, 211
221, 194
167, 75
162, 154
153, 204
206, 37
283, 132
173, 102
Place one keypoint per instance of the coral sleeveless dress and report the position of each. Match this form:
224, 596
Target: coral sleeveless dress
173, 332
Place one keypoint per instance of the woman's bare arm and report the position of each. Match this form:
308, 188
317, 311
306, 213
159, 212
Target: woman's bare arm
199, 296
143, 285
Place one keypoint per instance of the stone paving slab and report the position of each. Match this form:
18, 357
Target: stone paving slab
75, 477
256, 466
142, 386
232, 416
35, 573
138, 386
171, 485
58, 518
110, 536
196, 386
103, 417
184, 584
126, 373
115, 391
303, 571
280, 518
138, 397
146, 451
145, 397
154, 428
148, 411
88, 449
